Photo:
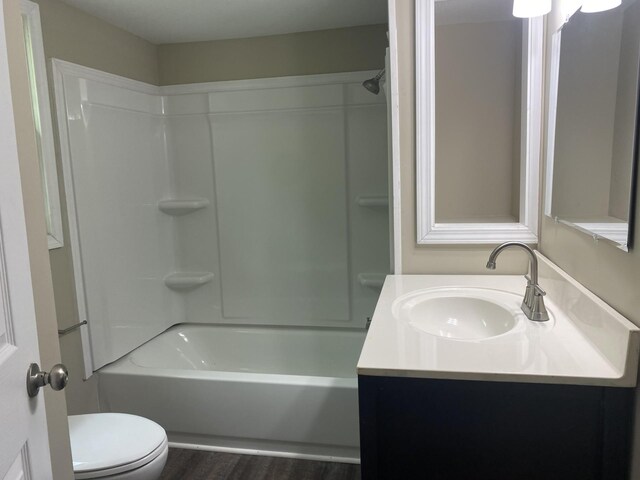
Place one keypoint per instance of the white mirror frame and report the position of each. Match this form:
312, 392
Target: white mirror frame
30, 12
428, 230
554, 71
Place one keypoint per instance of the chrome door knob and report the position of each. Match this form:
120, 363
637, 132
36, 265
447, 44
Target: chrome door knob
58, 378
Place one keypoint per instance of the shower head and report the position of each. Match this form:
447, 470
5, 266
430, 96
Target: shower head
373, 84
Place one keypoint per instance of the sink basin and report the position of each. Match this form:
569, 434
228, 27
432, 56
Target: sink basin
458, 314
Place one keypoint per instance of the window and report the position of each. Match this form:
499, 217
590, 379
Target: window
42, 120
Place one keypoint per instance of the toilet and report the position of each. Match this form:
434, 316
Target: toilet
117, 446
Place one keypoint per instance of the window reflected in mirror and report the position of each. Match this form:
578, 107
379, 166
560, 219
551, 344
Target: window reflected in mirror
39, 96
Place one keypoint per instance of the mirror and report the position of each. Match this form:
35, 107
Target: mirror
592, 124
479, 105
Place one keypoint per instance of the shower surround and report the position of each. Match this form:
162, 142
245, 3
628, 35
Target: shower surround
244, 203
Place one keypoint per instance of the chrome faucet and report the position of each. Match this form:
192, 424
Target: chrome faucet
533, 302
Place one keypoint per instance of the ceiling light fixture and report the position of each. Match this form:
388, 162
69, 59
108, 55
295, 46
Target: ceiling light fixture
531, 8
591, 6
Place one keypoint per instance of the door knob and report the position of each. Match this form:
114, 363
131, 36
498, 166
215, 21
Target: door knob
58, 378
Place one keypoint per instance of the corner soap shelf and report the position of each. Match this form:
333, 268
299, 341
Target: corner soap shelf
381, 201
177, 207
185, 281
373, 280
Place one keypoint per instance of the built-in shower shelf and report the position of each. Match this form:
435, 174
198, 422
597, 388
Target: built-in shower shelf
184, 206
373, 280
381, 201
184, 281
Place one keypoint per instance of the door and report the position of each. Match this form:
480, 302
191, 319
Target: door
24, 445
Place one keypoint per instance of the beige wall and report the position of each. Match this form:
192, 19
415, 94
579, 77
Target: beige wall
306, 53
429, 259
72, 35
476, 158
37, 239
607, 271
77, 37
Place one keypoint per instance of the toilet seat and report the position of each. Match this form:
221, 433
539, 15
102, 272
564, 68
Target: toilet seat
112, 444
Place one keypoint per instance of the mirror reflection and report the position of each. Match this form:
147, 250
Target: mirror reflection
478, 89
593, 149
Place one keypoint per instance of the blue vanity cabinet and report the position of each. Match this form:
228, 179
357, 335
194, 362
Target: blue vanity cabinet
433, 429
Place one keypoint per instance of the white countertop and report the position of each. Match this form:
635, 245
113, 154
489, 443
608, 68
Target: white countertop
585, 343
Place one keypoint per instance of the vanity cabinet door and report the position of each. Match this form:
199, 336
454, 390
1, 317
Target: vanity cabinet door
455, 430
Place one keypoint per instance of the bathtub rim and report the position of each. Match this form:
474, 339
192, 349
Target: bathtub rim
127, 366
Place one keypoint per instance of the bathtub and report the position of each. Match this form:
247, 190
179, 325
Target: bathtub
261, 390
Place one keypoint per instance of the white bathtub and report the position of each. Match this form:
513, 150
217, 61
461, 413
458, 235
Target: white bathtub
261, 390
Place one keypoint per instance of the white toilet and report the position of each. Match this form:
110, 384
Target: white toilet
117, 446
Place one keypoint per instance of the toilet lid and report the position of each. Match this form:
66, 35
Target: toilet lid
102, 441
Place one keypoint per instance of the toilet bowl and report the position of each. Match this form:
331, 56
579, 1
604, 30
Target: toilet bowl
117, 446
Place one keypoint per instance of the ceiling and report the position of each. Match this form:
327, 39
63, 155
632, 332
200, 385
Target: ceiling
178, 21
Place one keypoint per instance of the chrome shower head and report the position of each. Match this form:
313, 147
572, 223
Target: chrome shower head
373, 84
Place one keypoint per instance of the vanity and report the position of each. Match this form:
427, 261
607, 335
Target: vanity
456, 383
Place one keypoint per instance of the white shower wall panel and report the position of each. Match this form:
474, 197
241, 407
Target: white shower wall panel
280, 164
190, 150
275, 262
281, 196
368, 226
117, 170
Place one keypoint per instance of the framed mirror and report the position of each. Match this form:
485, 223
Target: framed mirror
478, 122
592, 144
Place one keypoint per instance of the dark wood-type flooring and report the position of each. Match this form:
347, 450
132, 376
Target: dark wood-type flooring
201, 465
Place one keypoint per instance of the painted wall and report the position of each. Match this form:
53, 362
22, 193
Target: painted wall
72, 35
610, 273
324, 51
55, 404
429, 259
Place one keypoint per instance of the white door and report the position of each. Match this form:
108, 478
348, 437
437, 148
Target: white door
24, 445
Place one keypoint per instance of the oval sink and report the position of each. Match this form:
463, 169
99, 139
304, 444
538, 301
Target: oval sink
458, 316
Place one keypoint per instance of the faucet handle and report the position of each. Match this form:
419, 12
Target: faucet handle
539, 291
